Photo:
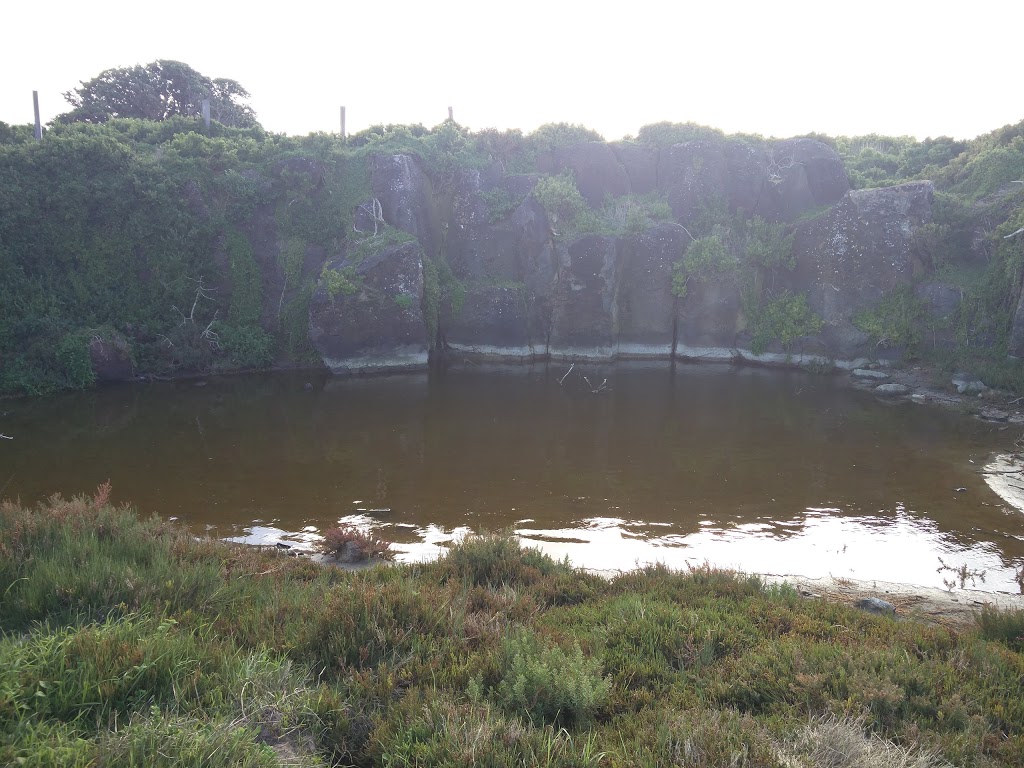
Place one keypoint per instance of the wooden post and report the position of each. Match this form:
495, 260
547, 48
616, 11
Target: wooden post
38, 133
206, 114
450, 114
342, 123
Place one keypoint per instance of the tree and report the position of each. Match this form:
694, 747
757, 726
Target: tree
158, 91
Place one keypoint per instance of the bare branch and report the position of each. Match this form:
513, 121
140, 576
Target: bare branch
1013, 234
566, 374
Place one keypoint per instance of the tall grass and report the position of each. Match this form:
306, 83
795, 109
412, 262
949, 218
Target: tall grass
128, 642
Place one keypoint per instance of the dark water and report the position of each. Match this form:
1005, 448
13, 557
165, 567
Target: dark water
761, 470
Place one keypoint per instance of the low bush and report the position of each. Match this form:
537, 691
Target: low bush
548, 683
351, 545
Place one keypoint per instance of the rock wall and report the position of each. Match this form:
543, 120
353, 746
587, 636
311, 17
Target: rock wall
525, 293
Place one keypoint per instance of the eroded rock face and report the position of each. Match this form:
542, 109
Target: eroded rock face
520, 294
777, 181
585, 313
595, 167
407, 198
380, 325
709, 319
645, 303
503, 256
851, 256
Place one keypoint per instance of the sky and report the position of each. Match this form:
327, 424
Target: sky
783, 68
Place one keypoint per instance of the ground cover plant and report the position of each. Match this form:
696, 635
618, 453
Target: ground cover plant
127, 641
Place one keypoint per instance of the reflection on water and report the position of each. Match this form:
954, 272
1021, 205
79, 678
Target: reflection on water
759, 470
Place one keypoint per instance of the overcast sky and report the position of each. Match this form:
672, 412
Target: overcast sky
776, 68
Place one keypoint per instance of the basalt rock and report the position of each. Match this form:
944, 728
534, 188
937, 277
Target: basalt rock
407, 198
645, 316
376, 323
597, 170
850, 257
502, 256
585, 313
778, 181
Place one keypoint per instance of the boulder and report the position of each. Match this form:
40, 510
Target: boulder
865, 373
376, 323
111, 358
584, 312
877, 605
967, 384
850, 257
892, 389
692, 175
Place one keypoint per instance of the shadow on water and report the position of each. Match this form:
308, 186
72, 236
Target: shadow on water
767, 471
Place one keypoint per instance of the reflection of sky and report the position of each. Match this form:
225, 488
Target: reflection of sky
904, 549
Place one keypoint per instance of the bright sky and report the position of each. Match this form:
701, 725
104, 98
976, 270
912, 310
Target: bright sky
776, 68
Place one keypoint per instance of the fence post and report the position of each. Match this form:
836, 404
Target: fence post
342, 123
38, 132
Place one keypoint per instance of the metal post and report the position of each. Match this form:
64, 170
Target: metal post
342, 123
206, 113
39, 126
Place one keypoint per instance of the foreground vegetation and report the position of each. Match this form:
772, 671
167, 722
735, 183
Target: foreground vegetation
128, 642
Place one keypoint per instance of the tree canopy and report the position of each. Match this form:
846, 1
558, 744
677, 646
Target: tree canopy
157, 91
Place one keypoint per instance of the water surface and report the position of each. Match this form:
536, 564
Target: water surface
766, 471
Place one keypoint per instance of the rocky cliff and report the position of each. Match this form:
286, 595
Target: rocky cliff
761, 252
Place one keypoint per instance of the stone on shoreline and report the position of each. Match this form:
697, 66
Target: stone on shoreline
892, 389
866, 373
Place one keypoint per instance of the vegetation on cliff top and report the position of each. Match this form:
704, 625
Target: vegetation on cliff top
129, 642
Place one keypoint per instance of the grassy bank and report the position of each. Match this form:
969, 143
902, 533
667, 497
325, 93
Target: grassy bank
127, 642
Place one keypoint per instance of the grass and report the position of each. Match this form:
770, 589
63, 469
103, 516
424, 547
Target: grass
128, 642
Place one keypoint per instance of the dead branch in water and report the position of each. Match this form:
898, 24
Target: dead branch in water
566, 374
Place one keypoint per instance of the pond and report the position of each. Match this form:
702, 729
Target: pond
763, 471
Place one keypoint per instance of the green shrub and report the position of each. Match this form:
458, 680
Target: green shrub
563, 202
247, 346
895, 321
547, 683
344, 281
784, 318
1003, 626
496, 560
76, 365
